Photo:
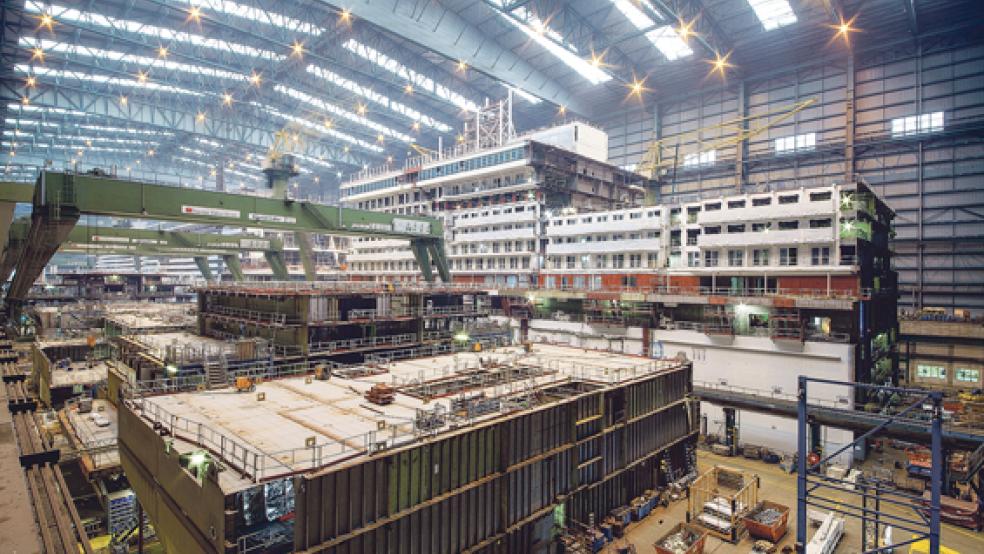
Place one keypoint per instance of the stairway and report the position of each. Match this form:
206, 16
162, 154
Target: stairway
216, 376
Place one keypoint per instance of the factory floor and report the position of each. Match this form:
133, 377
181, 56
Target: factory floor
780, 487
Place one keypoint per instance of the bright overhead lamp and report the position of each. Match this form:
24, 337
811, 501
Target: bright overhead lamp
194, 14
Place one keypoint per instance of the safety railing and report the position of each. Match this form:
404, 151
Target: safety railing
360, 343
258, 316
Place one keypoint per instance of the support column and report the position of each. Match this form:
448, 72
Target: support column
741, 149
235, 269
202, 263
307, 255
731, 430
849, 121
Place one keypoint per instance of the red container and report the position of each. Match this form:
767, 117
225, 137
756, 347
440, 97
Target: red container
759, 530
696, 545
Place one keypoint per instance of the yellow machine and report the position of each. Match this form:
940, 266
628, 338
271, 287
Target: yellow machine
245, 384
922, 547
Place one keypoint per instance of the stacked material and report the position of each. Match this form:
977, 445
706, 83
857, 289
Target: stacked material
381, 394
682, 539
767, 521
957, 512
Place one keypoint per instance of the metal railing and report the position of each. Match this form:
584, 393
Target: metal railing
252, 315
368, 342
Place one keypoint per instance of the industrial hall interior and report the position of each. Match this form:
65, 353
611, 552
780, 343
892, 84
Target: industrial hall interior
492, 276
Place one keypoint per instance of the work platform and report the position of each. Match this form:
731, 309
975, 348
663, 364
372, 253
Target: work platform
484, 419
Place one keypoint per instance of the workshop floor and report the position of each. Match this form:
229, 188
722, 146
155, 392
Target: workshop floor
779, 487
18, 533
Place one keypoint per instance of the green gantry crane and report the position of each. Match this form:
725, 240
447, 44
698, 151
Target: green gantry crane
151, 242
59, 199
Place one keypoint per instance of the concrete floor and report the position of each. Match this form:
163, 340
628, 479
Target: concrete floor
779, 487
18, 532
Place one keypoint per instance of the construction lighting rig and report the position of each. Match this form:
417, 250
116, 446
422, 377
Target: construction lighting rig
60, 199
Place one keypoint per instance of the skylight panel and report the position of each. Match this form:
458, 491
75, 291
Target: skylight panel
103, 79
773, 13
318, 128
255, 14
665, 38
72, 15
381, 99
143, 61
418, 80
335, 110
593, 74
523, 94
45, 109
669, 43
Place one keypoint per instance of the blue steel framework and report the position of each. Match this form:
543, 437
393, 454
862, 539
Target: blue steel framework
811, 479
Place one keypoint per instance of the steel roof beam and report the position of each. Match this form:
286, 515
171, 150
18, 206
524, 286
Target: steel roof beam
445, 32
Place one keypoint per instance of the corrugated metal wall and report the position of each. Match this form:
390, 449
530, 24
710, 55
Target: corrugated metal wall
934, 180
488, 487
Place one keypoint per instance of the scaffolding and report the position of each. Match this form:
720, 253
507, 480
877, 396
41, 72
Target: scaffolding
911, 513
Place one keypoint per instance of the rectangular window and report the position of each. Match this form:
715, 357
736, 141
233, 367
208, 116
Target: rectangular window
711, 258
767, 201
820, 223
693, 259
700, 158
712, 207
760, 257
635, 215
735, 204
820, 256
618, 261
635, 260
793, 143
929, 371
789, 199
788, 225
759, 227
736, 258
916, 124
787, 256
712, 230
739, 228
967, 375
820, 196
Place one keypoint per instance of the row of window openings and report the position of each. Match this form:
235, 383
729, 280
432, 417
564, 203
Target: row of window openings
900, 126
605, 218
439, 192
767, 226
603, 261
760, 257
963, 374
615, 237
500, 263
504, 211
504, 227
479, 248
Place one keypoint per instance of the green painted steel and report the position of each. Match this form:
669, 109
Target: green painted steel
16, 192
307, 255
202, 263
236, 270
120, 198
68, 195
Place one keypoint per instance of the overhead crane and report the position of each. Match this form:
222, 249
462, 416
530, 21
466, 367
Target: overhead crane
60, 199
151, 242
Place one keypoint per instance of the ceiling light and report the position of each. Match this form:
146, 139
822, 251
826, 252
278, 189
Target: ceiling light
123, 100
462, 65
345, 15
31, 81
46, 21
720, 63
637, 87
408, 89
845, 28
415, 126
25, 100
150, 152
200, 117
227, 99
596, 60
162, 52
684, 29
361, 108
562, 110
380, 138
345, 148
141, 77
37, 54
389, 159
297, 49
461, 138
194, 14
255, 78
